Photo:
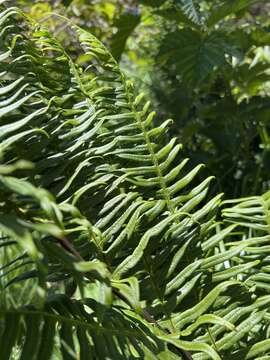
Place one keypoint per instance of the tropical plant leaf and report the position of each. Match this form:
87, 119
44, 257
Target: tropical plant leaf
126, 24
193, 54
227, 8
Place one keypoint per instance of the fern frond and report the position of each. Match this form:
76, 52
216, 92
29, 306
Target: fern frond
111, 207
77, 328
189, 9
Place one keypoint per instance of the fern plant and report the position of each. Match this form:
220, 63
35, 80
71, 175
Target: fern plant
205, 64
110, 247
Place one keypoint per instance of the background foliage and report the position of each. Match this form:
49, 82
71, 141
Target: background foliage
203, 64
112, 244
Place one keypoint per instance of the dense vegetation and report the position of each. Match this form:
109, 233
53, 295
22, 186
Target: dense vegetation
112, 244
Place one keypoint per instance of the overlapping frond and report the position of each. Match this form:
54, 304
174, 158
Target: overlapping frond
78, 329
111, 207
42, 235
